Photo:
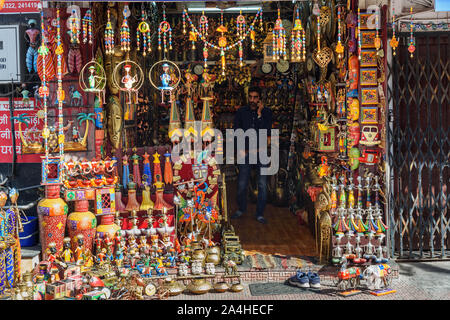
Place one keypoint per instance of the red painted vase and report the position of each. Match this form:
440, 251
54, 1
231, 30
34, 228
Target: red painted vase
52, 213
82, 221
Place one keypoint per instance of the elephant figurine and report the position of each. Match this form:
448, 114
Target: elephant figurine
378, 276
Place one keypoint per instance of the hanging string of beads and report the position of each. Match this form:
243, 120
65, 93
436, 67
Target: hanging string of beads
166, 31
412, 44
74, 23
279, 39
60, 91
87, 27
318, 33
144, 29
109, 36
240, 26
339, 46
184, 21
297, 39
43, 90
359, 34
394, 41
125, 39
204, 24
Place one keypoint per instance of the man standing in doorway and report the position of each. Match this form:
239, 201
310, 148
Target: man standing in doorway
257, 117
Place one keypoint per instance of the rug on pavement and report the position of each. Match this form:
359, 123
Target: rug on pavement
258, 261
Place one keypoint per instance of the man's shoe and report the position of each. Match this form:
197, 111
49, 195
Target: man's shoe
314, 280
237, 214
300, 280
261, 219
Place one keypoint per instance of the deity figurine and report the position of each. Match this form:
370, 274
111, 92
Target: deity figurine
66, 253
32, 53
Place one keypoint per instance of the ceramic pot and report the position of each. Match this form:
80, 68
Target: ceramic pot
107, 225
199, 286
82, 221
52, 213
174, 287
221, 286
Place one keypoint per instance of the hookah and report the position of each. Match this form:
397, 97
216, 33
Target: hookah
370, 221
368, 199
358, 250
360, 192
376, 188
333, 196
337, 250
351, 196
379, 250
340, 226
342, 195
134, 231
164, 226
348, 245
369, 249
150, 229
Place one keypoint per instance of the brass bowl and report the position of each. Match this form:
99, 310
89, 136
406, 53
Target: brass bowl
173, 287
213, 258
221, 286
237, 287
199, 286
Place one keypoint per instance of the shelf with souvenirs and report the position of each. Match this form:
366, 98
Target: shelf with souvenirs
145, 216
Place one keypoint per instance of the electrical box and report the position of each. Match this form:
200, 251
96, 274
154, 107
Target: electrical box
11, 57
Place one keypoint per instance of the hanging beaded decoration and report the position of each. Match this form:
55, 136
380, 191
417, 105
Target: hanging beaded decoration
109, 36
60, 91
222, 42
279, 39
144, 29
339, 46
184, 20
412, 42
240, 26
359, 34
318, 33
164, 30
125, 39
43, 90
377, 40
297, 39
74, 32
394, 41
87, 27
203, 24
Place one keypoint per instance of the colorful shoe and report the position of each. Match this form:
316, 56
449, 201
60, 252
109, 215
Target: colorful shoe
300, 280
314, 280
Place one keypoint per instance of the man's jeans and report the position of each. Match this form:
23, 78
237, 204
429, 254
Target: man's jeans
243, 178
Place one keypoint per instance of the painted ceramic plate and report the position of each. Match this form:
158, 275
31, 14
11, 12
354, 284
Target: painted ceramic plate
266, 68
283, 66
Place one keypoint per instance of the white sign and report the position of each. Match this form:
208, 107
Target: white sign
9, 54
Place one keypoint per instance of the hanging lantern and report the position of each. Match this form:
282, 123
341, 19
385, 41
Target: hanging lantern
144, 30
279, 39
87, 27
125, 39
109, 36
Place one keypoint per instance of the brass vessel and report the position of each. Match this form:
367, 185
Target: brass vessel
198, 254
221, 286
213, 255
237, 287
174, 287
196, 245
199, 286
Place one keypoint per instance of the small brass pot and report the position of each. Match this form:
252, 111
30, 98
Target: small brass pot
199, 286
237, 287
198, 254
174, 287
221, 286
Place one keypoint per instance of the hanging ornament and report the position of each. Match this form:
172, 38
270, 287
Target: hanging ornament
279, 39
359, 34
377, 40
339, 46
184, 20
240, 26
165, 75
144, 30
93, 79
128, 77
205, 54
193, 37
297, 39
109, 36
166, 31
318, 33
394, 41
203, 25
87, 27
412, 42
74, 27
222, 42
241, 54
60, 94
125, 39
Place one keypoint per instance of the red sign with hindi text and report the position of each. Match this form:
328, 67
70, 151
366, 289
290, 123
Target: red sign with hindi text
20, 6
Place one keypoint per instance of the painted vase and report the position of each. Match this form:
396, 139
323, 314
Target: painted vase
52, 213
107, 225
82, 221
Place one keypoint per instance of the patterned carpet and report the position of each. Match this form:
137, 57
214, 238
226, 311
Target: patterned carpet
258, 261
277, 288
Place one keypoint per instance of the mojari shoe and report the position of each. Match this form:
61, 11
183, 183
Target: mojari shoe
300, 280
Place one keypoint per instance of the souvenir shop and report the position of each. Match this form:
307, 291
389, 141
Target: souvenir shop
115, 88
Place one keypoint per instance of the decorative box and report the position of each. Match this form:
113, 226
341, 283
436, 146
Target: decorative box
55, 290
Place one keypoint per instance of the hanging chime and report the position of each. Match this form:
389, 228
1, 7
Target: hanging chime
279, 39
359, 34
109, 36
394, 41
240, 26
339, 46
74, 23
203, 25
412, 42
144, 30
87, 27
125, 39
377, 41
298, 51
222, 42
166, 31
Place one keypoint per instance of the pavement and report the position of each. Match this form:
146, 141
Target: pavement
416, 281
